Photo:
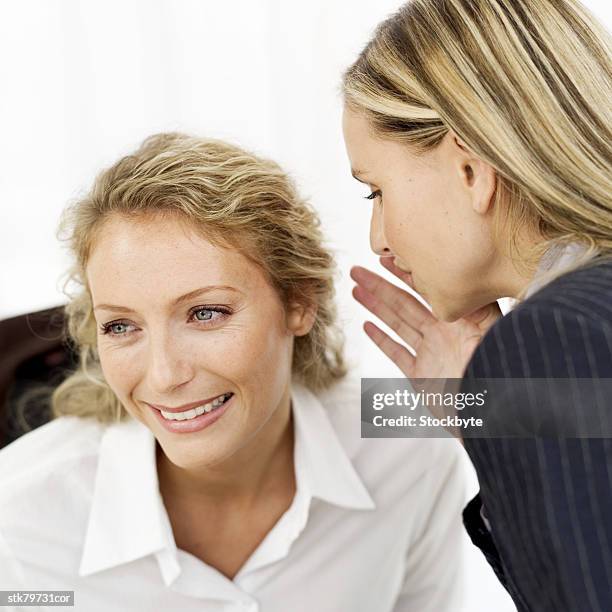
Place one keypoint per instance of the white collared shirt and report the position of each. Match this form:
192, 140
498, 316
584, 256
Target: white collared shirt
375, 524
556, 258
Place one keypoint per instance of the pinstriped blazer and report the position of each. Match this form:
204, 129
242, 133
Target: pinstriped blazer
548, 502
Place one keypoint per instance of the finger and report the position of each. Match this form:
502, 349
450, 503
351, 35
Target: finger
397, 353
387, 315
402, 302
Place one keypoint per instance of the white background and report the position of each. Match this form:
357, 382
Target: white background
83, 82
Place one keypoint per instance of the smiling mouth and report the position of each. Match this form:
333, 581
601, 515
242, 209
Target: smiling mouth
192, 413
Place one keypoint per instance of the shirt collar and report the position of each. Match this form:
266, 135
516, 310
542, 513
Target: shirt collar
556, 259
128, 519
322, 465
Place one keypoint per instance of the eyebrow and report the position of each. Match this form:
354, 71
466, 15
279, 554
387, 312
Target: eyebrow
179, 300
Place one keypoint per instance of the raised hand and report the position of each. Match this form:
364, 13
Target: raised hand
434, 348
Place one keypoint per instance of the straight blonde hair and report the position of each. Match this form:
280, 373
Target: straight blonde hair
527, 85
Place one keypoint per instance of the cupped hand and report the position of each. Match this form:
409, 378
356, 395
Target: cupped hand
441, 349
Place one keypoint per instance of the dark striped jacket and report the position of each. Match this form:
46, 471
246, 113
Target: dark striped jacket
548, 501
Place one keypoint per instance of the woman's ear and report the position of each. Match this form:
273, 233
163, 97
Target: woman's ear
300, 318
478, 177
484, 186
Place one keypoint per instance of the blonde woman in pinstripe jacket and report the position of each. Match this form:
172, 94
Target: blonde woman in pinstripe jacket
482, 129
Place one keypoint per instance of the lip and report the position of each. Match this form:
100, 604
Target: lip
408, 272
400, 264
196, 424
186, 406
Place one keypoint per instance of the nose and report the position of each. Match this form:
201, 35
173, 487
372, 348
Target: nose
378, 242
167, 367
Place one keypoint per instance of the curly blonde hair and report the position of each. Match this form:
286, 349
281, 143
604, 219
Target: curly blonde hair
233, 198
527, 85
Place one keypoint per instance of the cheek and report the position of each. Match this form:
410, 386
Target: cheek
419, 222
406, 227
251, 353
118, 367
257, 353
244, 354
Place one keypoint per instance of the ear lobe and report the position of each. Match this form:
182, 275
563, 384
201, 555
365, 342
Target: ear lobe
300, 318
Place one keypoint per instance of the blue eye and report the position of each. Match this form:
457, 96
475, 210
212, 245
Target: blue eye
106, 329
210, 314
374, 195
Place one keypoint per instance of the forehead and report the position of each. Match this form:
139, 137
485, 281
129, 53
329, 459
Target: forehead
362, 148
357, 129
161, 255
370, 152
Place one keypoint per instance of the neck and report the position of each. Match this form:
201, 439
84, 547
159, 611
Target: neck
247, 475
511, 278
514, 282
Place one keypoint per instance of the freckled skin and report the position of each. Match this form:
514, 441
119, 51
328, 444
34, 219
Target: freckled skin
435, 217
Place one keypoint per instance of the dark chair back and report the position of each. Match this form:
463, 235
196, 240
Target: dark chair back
33, 356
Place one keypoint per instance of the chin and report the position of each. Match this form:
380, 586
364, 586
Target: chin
194, 457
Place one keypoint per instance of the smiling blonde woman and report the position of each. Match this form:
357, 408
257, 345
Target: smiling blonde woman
207, 454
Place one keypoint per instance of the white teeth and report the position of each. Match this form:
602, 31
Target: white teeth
193, 412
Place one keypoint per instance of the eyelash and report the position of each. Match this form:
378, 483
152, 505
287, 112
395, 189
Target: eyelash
106, 327
374, 195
